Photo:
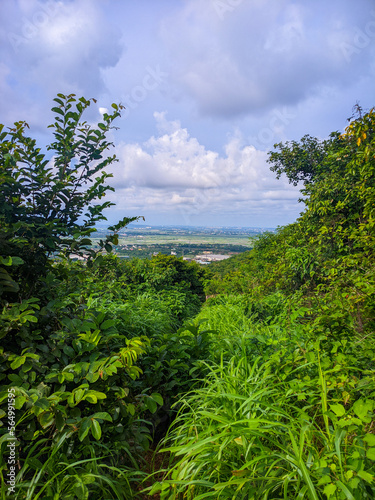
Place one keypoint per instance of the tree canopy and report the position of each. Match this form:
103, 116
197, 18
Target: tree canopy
49, 200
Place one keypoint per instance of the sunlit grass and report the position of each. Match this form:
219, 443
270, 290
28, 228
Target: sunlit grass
48, 474
262, 429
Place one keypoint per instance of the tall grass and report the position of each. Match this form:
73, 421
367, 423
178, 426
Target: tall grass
262, 429
48, 474
227, 314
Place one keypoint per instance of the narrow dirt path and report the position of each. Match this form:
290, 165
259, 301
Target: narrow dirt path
156, 463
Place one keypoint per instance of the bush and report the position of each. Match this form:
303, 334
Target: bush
63, 359
294, 421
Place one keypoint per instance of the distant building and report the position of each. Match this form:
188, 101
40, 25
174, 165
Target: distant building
74, 256
207, 258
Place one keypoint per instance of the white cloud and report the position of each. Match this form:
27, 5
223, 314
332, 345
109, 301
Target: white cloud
174, 172
60, 46
264, 54
273, 70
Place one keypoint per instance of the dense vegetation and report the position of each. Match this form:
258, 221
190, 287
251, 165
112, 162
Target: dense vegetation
180, 249
263, 391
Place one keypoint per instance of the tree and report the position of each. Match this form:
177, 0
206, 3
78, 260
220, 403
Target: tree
61, 358
303, 161
47, 204
330, 253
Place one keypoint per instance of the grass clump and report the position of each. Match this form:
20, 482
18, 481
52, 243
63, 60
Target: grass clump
273, 428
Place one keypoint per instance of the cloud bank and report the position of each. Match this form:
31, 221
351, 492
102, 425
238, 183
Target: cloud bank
240, 75
60, 46
172, 171
237, 57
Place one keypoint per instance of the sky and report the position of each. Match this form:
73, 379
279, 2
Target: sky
209, 87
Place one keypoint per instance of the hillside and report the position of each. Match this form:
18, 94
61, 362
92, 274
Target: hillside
119, 379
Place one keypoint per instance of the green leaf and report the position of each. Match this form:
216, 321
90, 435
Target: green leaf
17, 261
370, 439
361, 408
96, 430
157, 397
80, 490
131, 408
34, 463
338, 409
69, 351
103, 415
366, 476
84, 429
46, 419
370, 453
329, 489
29, 317
151, 404
156, 488
78, 395
60, 421
91, 398
18, 362
16, 379
324, 480
345, 489
42, 403
6, 261
92, 377
20, 401
354, 482
107, 324
58, 110
88, 479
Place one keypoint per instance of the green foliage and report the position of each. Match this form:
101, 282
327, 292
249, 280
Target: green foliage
270, 386
325, 261
66, 362
76, 380
63, 477
172, 357
42, 201
280, 415
287, 408
163, 271
304, 161
228, 276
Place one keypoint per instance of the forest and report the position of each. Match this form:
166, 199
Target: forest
252, 378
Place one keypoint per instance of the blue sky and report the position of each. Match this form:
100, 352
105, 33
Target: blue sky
209, 86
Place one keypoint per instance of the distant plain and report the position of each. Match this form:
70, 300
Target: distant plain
144, 241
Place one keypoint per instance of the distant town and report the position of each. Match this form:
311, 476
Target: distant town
202, 244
